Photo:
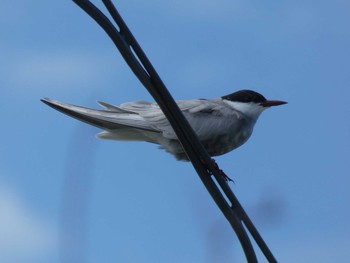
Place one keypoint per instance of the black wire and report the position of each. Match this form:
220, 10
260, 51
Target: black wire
204, 165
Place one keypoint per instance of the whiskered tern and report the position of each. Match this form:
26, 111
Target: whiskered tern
221, 124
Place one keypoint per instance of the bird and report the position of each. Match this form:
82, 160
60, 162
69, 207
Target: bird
221, 124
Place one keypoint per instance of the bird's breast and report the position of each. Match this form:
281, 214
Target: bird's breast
228, 141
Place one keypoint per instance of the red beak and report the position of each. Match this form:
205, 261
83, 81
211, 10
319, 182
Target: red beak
269, 103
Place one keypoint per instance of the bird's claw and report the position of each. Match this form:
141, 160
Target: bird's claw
221, 173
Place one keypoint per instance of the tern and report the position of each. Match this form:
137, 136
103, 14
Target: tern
221, 124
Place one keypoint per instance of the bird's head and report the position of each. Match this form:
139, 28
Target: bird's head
249, 102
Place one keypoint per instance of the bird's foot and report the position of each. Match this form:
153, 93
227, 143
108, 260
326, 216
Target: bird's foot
222, 173
225, 176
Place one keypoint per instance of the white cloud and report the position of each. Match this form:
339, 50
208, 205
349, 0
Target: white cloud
24, 236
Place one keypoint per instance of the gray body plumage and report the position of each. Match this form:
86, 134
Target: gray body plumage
220, 124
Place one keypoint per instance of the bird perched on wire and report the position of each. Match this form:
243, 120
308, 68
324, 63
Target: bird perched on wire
221, 124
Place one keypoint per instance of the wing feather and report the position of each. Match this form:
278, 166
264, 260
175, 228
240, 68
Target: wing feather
196, 112
205, 116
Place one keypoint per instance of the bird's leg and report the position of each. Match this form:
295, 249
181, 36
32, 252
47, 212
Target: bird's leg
221, 172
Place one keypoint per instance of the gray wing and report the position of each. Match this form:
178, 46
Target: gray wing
206, 117
110, 119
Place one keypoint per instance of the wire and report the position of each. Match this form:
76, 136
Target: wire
205, 166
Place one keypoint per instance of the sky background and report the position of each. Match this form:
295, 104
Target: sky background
66, 196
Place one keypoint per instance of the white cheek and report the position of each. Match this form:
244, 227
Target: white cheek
250, 109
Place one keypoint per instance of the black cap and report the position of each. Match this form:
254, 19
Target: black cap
245, 96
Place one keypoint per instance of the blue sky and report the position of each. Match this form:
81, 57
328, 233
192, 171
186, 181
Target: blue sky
130, 202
